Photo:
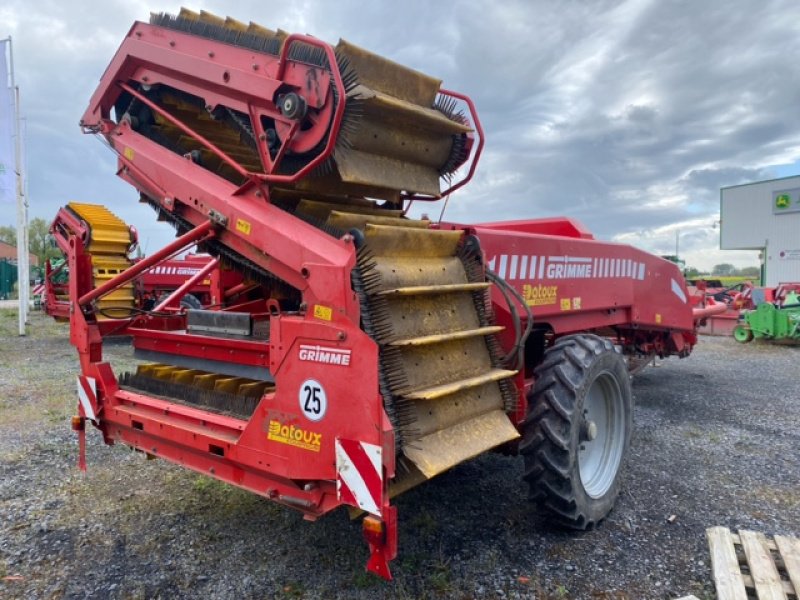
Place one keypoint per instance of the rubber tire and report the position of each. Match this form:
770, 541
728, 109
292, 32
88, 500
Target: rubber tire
191, 301
188, 301
742, 334
551, 431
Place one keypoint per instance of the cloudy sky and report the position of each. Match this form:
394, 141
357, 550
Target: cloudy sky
627, 115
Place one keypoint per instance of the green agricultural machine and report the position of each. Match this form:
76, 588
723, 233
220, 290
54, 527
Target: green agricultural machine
8, 277
778, 321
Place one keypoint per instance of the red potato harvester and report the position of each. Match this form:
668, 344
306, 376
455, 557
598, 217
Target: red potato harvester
107, 242
378, 350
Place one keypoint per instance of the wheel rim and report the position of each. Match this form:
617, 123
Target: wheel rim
741, 334
599, 459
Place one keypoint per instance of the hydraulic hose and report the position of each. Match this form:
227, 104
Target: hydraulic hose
520, 336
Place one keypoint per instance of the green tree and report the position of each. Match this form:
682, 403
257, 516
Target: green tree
691, 273
40, 240
723, 269
8, 234
750, 272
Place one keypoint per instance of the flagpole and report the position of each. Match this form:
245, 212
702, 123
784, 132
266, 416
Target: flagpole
23, 278
23, 193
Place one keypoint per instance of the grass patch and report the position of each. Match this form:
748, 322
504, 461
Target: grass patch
424, 522
364, 580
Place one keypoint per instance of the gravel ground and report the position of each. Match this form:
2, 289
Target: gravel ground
716, 443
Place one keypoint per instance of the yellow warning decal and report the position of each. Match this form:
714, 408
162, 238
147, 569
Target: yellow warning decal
658, 317
128, 153
294, 436
566, 304
540, 295
243, 226
323, 312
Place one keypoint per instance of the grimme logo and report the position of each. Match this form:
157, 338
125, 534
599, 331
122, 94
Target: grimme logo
544, 268
294, 436
324, 355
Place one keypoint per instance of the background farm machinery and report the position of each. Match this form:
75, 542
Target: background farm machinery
375, 350
744, 318
774, 319
108, 243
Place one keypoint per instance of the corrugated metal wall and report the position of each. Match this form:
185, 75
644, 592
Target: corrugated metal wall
749, 222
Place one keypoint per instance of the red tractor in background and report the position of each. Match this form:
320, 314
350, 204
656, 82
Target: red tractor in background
373, 351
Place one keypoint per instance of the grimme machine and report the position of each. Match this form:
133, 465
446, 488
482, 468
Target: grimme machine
108, 242
378, 350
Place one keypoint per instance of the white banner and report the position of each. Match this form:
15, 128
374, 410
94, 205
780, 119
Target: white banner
8, 189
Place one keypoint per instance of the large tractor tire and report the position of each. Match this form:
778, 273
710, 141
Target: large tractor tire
578, 430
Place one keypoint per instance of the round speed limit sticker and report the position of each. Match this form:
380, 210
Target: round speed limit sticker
313, 401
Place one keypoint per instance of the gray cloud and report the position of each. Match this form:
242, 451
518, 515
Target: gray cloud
627, 115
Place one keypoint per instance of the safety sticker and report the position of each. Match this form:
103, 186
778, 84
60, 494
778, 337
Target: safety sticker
87, 395
323, 312
243, 226
677, 290
359, 475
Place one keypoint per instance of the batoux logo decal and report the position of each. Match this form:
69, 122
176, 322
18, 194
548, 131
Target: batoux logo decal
313, 400
294, 436
324, 355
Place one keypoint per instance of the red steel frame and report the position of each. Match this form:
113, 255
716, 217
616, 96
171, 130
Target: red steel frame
646, 316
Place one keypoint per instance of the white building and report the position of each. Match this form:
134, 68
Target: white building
764, 216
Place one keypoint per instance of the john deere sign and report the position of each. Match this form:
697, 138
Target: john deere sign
786, 201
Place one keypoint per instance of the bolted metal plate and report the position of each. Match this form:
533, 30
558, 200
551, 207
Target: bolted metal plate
219, 323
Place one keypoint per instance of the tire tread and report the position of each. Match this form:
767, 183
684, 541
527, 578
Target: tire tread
546, 430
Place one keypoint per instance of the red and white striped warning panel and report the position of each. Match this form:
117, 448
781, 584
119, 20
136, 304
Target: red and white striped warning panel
87, 395
359, 475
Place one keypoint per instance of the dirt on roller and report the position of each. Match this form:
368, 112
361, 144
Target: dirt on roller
715, 442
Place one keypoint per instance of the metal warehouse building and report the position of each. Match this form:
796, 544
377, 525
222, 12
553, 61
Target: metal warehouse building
764, 216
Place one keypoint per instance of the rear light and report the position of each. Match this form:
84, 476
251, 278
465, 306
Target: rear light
374, 530
78, 423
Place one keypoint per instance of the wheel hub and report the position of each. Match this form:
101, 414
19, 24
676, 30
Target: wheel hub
602, 435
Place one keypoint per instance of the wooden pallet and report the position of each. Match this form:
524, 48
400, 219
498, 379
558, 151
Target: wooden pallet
749, 565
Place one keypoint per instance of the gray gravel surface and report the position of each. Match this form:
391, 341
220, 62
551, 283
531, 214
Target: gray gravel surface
716, 443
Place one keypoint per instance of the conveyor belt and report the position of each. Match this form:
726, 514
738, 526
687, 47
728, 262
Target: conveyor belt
108, 245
